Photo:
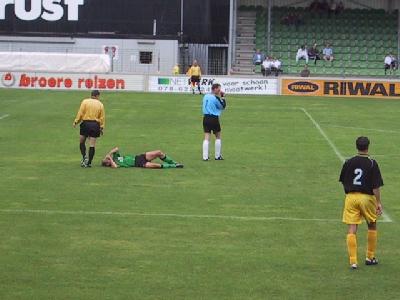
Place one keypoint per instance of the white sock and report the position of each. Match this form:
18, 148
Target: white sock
218, 145
205, 149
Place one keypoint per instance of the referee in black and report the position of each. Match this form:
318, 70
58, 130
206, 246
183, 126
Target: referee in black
91, 117
362, 180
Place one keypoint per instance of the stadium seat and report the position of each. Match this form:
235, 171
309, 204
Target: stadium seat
357, 52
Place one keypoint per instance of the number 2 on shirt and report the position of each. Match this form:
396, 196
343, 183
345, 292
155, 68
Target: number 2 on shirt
359, 174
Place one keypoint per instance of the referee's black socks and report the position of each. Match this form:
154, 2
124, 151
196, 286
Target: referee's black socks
82, 146
91, 154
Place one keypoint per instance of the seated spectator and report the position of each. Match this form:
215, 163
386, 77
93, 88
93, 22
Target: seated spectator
176, 70
394, 62
305, 72
313, 53
276, 66
390, 63
302, 53
266, 66
328, 53
258, 57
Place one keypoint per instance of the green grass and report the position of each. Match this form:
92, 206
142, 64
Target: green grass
277, 165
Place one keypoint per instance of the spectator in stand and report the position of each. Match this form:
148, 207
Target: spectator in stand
266, 66
258, 57
328, 53
314, 54
332, 8
339, 8
176, 70
276, 66
302, 53
390, 63
305, 72
394, 62
314, 6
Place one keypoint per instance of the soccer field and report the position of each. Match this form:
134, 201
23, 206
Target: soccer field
263, 224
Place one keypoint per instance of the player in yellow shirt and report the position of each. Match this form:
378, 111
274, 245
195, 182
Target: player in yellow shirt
176, 70
362, 180
195, 76
91, 117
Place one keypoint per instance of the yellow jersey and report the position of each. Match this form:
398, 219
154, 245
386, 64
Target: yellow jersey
194, 71
176, 70
91, 110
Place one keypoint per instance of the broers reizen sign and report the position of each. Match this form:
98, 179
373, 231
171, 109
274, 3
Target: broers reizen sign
49, 10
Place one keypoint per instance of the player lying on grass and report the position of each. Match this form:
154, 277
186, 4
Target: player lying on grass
114, 159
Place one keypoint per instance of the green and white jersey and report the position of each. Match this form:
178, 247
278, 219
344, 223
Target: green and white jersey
127, 161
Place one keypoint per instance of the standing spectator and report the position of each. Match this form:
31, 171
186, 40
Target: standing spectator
176, 70
258, 58
314, 6
328, 53
276, 66
339, 8
306, 72
302, 53
332, 7
313, 53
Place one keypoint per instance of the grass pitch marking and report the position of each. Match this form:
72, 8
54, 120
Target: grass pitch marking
366, 129
162, 215
385, 216
4, 116
165, 215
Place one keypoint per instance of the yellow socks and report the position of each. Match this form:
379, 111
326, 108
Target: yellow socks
352, 247
371, 246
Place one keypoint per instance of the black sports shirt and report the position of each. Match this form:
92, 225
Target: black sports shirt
361, 174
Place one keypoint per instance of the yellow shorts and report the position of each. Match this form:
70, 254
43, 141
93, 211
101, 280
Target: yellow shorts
358, 205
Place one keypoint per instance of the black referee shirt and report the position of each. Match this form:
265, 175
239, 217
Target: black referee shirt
361, 174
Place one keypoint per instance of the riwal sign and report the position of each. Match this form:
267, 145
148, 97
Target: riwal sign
231, 85
49, 10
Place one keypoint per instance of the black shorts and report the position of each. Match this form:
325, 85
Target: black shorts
195, 79
211, 124
90, 129
140, 161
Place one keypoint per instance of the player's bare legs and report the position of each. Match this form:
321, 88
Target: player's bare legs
151, 165
218, 146
206, 143
152, 155
168, 162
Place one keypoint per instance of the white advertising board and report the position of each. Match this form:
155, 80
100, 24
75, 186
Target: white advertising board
65, 81
230, 85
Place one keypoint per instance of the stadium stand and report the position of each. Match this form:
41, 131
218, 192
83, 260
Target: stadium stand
360, 39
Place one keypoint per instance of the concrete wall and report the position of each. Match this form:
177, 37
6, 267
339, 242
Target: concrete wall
165, 52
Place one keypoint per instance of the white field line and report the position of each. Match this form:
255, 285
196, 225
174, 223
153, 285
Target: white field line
362, 128
385, 216
4, 116
165, 215
162, 215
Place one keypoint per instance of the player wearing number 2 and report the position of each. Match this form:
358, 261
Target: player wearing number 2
362, 180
